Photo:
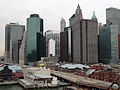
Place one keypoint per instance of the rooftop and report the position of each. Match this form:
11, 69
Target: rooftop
34, 15
73, 66
38, 76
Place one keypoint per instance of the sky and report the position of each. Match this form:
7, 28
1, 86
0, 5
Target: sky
51, 11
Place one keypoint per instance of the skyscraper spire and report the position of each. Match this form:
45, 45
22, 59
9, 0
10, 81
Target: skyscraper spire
62, 24
78, 7
78, 13
94, 16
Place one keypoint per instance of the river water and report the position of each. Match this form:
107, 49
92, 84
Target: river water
18, 87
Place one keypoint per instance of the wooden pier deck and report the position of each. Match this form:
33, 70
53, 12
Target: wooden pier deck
83, 80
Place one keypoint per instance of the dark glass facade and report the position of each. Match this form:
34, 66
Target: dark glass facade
108, 44
66, 45
63, 47
34, 39
104, 45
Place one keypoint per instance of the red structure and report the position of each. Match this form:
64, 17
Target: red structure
5, 73
97, 67
119, 44
17, 75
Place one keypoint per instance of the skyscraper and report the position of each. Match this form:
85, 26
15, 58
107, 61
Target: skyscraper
113, 17
63, 47
108, 44
76, 17
34, 39
84, 36
16, 48
62, 25
66, 45
50, 34
78, 13
72, 20
13, 33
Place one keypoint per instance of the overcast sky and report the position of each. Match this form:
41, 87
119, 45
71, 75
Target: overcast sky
51, 11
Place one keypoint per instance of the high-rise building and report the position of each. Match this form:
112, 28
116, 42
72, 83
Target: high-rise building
13, 33
69, 43
79, 41
72, 20
99, 26
62, 25
22, 50
84, 36
66, 45
16, 48
35, 48
63, 47
50, 34
108, 44
76, 17
113, 17
78, 13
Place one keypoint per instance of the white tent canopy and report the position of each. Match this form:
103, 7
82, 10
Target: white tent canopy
73, 66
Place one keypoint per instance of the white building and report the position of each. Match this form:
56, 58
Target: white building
50, 34
51, 47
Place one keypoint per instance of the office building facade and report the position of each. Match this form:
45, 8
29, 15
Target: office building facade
50, 34
85, 44
35, 48
13, 33
63, 47
16, 48
66, 45
72, 20
84, 36
22, 50
113, 17
108, 44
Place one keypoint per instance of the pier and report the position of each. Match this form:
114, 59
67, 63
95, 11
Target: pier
83, 81
8, 83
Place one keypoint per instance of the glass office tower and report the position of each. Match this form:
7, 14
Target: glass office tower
34, 39
108, 44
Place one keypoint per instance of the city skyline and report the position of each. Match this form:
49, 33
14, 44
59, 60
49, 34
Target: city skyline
51, 11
